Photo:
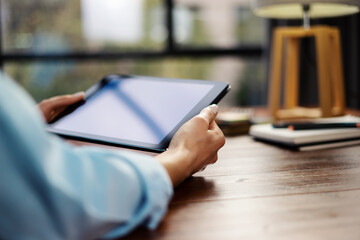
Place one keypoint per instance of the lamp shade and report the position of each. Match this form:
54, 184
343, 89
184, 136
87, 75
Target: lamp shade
290, 9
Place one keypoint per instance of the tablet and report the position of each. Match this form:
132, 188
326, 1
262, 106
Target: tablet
135, 111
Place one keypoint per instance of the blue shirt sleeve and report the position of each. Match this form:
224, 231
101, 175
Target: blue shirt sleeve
52, 190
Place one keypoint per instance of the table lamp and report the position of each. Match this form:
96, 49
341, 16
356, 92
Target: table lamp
328, 55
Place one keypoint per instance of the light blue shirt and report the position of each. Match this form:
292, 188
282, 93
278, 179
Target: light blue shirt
50, 189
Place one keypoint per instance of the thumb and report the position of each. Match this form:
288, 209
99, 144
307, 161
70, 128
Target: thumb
209, 113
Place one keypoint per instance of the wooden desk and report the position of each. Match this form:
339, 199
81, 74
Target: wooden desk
257, 191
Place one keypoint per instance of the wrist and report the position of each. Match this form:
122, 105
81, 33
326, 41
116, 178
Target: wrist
177, 163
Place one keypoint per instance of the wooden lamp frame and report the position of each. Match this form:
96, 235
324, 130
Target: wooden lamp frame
330, 73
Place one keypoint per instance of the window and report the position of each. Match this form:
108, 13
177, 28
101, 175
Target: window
61, 46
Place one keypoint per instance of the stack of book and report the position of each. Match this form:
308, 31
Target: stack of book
317, 134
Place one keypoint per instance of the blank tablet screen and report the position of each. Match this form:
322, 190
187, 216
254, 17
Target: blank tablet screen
135, 109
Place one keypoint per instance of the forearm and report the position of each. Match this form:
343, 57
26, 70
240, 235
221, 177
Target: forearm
114, 189
83, 193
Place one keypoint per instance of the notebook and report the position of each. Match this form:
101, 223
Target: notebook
306, 140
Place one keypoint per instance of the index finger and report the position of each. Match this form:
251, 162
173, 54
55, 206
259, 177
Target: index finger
65, 100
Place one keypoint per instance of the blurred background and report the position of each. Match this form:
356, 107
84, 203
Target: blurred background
54, 47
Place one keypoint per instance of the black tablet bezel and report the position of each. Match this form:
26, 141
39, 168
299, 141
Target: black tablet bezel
219, 90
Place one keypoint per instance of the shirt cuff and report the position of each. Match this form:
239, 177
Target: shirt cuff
157, 188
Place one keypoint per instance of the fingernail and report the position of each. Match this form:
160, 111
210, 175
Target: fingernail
78, 94
214, 108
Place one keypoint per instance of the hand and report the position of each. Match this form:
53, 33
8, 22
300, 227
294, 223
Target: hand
194, 146
53, 106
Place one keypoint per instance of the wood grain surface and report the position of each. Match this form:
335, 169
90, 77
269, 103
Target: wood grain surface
258, 191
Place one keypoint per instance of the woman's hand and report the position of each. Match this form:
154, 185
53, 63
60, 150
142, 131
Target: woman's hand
53, 106
194, 146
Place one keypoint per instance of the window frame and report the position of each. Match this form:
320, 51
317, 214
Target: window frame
170, 50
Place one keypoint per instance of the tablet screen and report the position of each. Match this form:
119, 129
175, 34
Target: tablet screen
135, 109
